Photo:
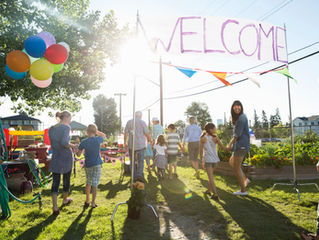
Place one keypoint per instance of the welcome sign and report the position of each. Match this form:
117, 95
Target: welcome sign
216, 36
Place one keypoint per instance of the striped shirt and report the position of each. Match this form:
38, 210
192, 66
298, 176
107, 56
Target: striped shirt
172, 143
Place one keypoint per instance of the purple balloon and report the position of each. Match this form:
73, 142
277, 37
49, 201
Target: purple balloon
47, 37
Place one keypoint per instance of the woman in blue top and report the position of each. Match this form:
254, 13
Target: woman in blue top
239, 145
62, 158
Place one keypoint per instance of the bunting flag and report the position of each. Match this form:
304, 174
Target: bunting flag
188, 72
254, 78
221, 76
286, 73
113, 159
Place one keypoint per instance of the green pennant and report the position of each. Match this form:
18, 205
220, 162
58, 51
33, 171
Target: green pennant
285, 72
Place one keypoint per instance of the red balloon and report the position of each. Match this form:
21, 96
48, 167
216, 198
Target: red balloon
56, 54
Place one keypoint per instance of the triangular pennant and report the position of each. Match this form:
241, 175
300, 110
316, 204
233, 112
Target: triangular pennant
286, 73
188, 72
221, 76
254, 78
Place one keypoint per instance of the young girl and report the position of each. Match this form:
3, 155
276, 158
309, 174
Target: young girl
148, 154
160, 158
208, 150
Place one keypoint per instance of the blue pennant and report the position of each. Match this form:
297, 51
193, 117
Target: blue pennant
188, 72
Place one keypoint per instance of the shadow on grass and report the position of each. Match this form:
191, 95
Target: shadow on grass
258, 218
148, 226
191, 215
113, 188
76, 230
33, 232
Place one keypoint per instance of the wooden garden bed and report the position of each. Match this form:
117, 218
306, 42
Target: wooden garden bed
286, 172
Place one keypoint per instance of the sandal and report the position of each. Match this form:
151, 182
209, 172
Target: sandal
56, 213
208, 193
215, 197
86, 205
95, 206
69, 200
307, 236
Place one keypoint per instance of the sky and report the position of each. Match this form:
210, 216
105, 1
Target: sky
301, 20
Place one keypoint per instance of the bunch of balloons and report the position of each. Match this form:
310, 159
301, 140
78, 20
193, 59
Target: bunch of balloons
41, 55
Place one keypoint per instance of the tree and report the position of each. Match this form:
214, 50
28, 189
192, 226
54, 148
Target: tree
93, 40
105, 115
264, 120
180, 123
256, 120
200, 111
275, 119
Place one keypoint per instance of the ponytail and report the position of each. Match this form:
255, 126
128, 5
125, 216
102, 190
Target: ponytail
61, 115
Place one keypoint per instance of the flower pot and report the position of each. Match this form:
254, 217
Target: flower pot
133, 213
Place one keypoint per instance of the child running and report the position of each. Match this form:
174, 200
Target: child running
93, 162
172, 149
148, 155
160, 156
208, 150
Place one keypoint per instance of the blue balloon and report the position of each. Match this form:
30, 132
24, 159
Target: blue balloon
35, 46
15, 75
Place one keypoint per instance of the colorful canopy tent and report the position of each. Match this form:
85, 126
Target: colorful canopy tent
77, 126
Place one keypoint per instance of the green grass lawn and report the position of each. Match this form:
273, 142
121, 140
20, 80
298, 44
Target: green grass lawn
261, 215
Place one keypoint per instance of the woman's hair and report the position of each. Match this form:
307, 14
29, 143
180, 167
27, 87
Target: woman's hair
62, 115
235, 116
160, 140
207, 128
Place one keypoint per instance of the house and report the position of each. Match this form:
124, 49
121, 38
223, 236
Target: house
26, 122
304, 124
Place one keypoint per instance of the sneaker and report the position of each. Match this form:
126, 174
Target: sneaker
247, 182
240, 193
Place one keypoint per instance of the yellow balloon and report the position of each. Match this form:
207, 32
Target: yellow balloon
41, 69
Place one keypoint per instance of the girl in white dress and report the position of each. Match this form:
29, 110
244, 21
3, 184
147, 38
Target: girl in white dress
209, 156
160, 156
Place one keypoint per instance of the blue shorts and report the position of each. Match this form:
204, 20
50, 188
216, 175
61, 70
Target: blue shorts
93, 175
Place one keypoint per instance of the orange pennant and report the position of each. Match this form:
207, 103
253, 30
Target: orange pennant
221, 76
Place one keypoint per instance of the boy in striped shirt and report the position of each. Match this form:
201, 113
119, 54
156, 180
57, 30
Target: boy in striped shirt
173, 142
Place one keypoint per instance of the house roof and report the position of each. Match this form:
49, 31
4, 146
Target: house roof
77, 126
312, 118
20, 117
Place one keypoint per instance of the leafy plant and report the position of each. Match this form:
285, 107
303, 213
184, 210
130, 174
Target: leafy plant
137, 199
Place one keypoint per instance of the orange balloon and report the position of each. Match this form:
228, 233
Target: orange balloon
18, 61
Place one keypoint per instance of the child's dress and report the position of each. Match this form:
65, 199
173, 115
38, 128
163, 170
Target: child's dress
160, 158
210, 151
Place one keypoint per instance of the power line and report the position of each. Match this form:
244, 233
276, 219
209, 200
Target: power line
208, 5
259, 65
275, 9
246, 8
245, 79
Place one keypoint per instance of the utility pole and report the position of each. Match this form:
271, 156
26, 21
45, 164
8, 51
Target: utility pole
161, 91
120, 94
149, 118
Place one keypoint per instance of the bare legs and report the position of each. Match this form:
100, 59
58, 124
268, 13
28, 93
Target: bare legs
211, 183
55, 202
88, 191
171, 169
235, 162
